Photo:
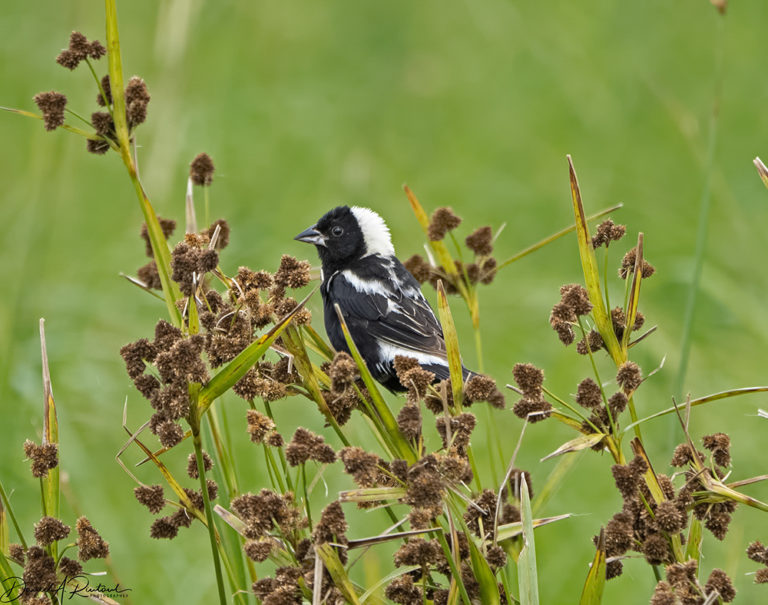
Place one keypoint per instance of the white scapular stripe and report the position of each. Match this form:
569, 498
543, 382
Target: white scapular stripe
365, 286
375, 232
388, 351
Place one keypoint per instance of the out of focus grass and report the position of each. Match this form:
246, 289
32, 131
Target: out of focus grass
304, 105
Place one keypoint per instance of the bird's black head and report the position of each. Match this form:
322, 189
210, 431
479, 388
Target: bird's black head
346, 234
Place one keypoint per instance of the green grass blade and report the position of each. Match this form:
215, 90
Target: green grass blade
591, 273
634, 294
527, 576
693, 545
50, 435
592, 594
116, 80
489, 589
701, 401
512, 530
334, 566
402, 447
762, 170
581, 442
451, 344
236, 369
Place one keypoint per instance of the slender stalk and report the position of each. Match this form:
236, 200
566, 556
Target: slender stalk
7, 505
198, 444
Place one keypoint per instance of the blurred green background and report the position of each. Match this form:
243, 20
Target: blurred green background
304, 105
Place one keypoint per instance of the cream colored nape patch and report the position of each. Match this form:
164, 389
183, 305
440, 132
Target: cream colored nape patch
375, 232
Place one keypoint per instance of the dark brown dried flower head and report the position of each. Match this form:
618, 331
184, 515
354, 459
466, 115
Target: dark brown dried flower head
170, 433
90, 545
51, 105
628, 265
461, 428
592, 342
44, 457
39, 571
534, 410
682, 455
164, 528
16, 552
107, 88
617, 403
305, 445
488, 270
682, 575
757, 552
192, 469
363, 466
629, 376
201, 170
589, 394
136, 101
663, 594
442, 221
720, 582
258, 550
151, 496
656, 549
403, 591
719, 444
424, 485
69, 567
102, 123
343, 371
332, 526
419, 268
409, 421
68, 59
49, 530
418, 551
482, 388
606, 232
97, 145
529, 378
482, 509
480, 241
670, 518
761, 576
575, 297
292, 273
259, 425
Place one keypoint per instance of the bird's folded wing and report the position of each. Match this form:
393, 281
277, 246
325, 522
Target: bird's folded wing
400, 317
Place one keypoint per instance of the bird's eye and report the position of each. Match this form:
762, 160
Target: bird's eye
337, 231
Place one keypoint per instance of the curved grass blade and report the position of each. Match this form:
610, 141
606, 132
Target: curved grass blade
451, 345
489, 589
592, 594
236, 369
527, 575
581, 442
512, 530
591, 274
386, 580
402, 447
334, 566
701, 401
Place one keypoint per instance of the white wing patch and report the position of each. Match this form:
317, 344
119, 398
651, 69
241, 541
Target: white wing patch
365, 286
387, 352
375, 232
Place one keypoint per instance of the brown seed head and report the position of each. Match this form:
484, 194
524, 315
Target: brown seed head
529, 378
96, 50
592, 342
164, 528
419, 268
68, 59
409, 421
90, 544
533, 410
589, 394
258, 550
136, 101
44, 457
606, 232
418, 551
663, 594
480, 241
192, 469
575, 297
292, 273
361, 465
442, 221
719, 444
628, 265
151, 496
332, 526
201, 170
105, 85
629, 376
656, 549
719, 582
49, 530
69, 567
761, 576
39, 571
670, 518
343, 371
51, 105
259, 425
757, 552
618, 403
480, 388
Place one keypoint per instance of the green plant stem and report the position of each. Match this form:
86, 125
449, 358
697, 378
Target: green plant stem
9, 510
306, 496
206, 199
283, 461
198, 444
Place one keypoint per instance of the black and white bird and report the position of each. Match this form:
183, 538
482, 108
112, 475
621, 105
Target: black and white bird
380, 300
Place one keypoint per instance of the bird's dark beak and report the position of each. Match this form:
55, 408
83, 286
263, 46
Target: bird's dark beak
311, 236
